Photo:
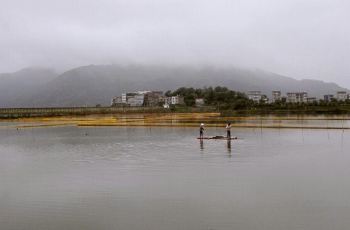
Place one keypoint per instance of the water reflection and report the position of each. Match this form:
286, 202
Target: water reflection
229, 147
201, 144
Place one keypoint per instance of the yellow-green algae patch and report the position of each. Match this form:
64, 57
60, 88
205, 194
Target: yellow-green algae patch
186, 120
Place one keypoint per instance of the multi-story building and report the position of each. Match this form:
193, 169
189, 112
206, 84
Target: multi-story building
117, 101
328, 97
174, 100
135, 99
342, 95
256, 96
153, 98
276, 96
167, 100
139, 98
297, 97
177, 100
124, 98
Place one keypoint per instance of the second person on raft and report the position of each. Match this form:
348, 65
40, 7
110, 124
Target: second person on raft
228, 130
201, 131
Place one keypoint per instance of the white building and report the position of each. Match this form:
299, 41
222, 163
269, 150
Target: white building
136, 100
256, 96
174, 100
297, 97
342, 95
124, 98
117, 101
276, 96
139, 98
167, 101
328, 97
177, 100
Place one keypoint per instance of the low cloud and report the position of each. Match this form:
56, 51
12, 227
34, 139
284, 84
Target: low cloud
298, 38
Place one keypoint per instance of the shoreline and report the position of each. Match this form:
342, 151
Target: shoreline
184, 120
19, 113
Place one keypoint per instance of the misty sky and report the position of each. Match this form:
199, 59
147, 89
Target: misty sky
298, 38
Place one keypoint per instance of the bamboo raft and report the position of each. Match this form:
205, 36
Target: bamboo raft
217, 138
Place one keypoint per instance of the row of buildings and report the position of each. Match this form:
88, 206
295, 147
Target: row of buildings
157, 98
295, 97
340, 96
146, 98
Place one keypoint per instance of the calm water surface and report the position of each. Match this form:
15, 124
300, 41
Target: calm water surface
163, 178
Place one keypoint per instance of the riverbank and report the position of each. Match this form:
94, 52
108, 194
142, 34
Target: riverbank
17, 113
14, 113
184, 120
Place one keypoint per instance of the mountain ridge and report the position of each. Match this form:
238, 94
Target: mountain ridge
97, 84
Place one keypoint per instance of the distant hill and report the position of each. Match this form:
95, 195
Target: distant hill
18, 85
97, 84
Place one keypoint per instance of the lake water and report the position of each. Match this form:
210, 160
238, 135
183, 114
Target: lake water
164, 179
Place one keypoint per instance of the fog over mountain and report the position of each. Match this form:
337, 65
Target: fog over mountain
298, 38
18, 85
97, 84
165, 44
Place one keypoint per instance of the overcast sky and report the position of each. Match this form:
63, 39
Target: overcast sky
298, 38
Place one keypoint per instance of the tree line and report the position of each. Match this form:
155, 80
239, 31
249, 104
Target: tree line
220, 97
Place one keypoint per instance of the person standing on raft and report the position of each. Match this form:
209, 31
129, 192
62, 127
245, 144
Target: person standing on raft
201, 130
228, 130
